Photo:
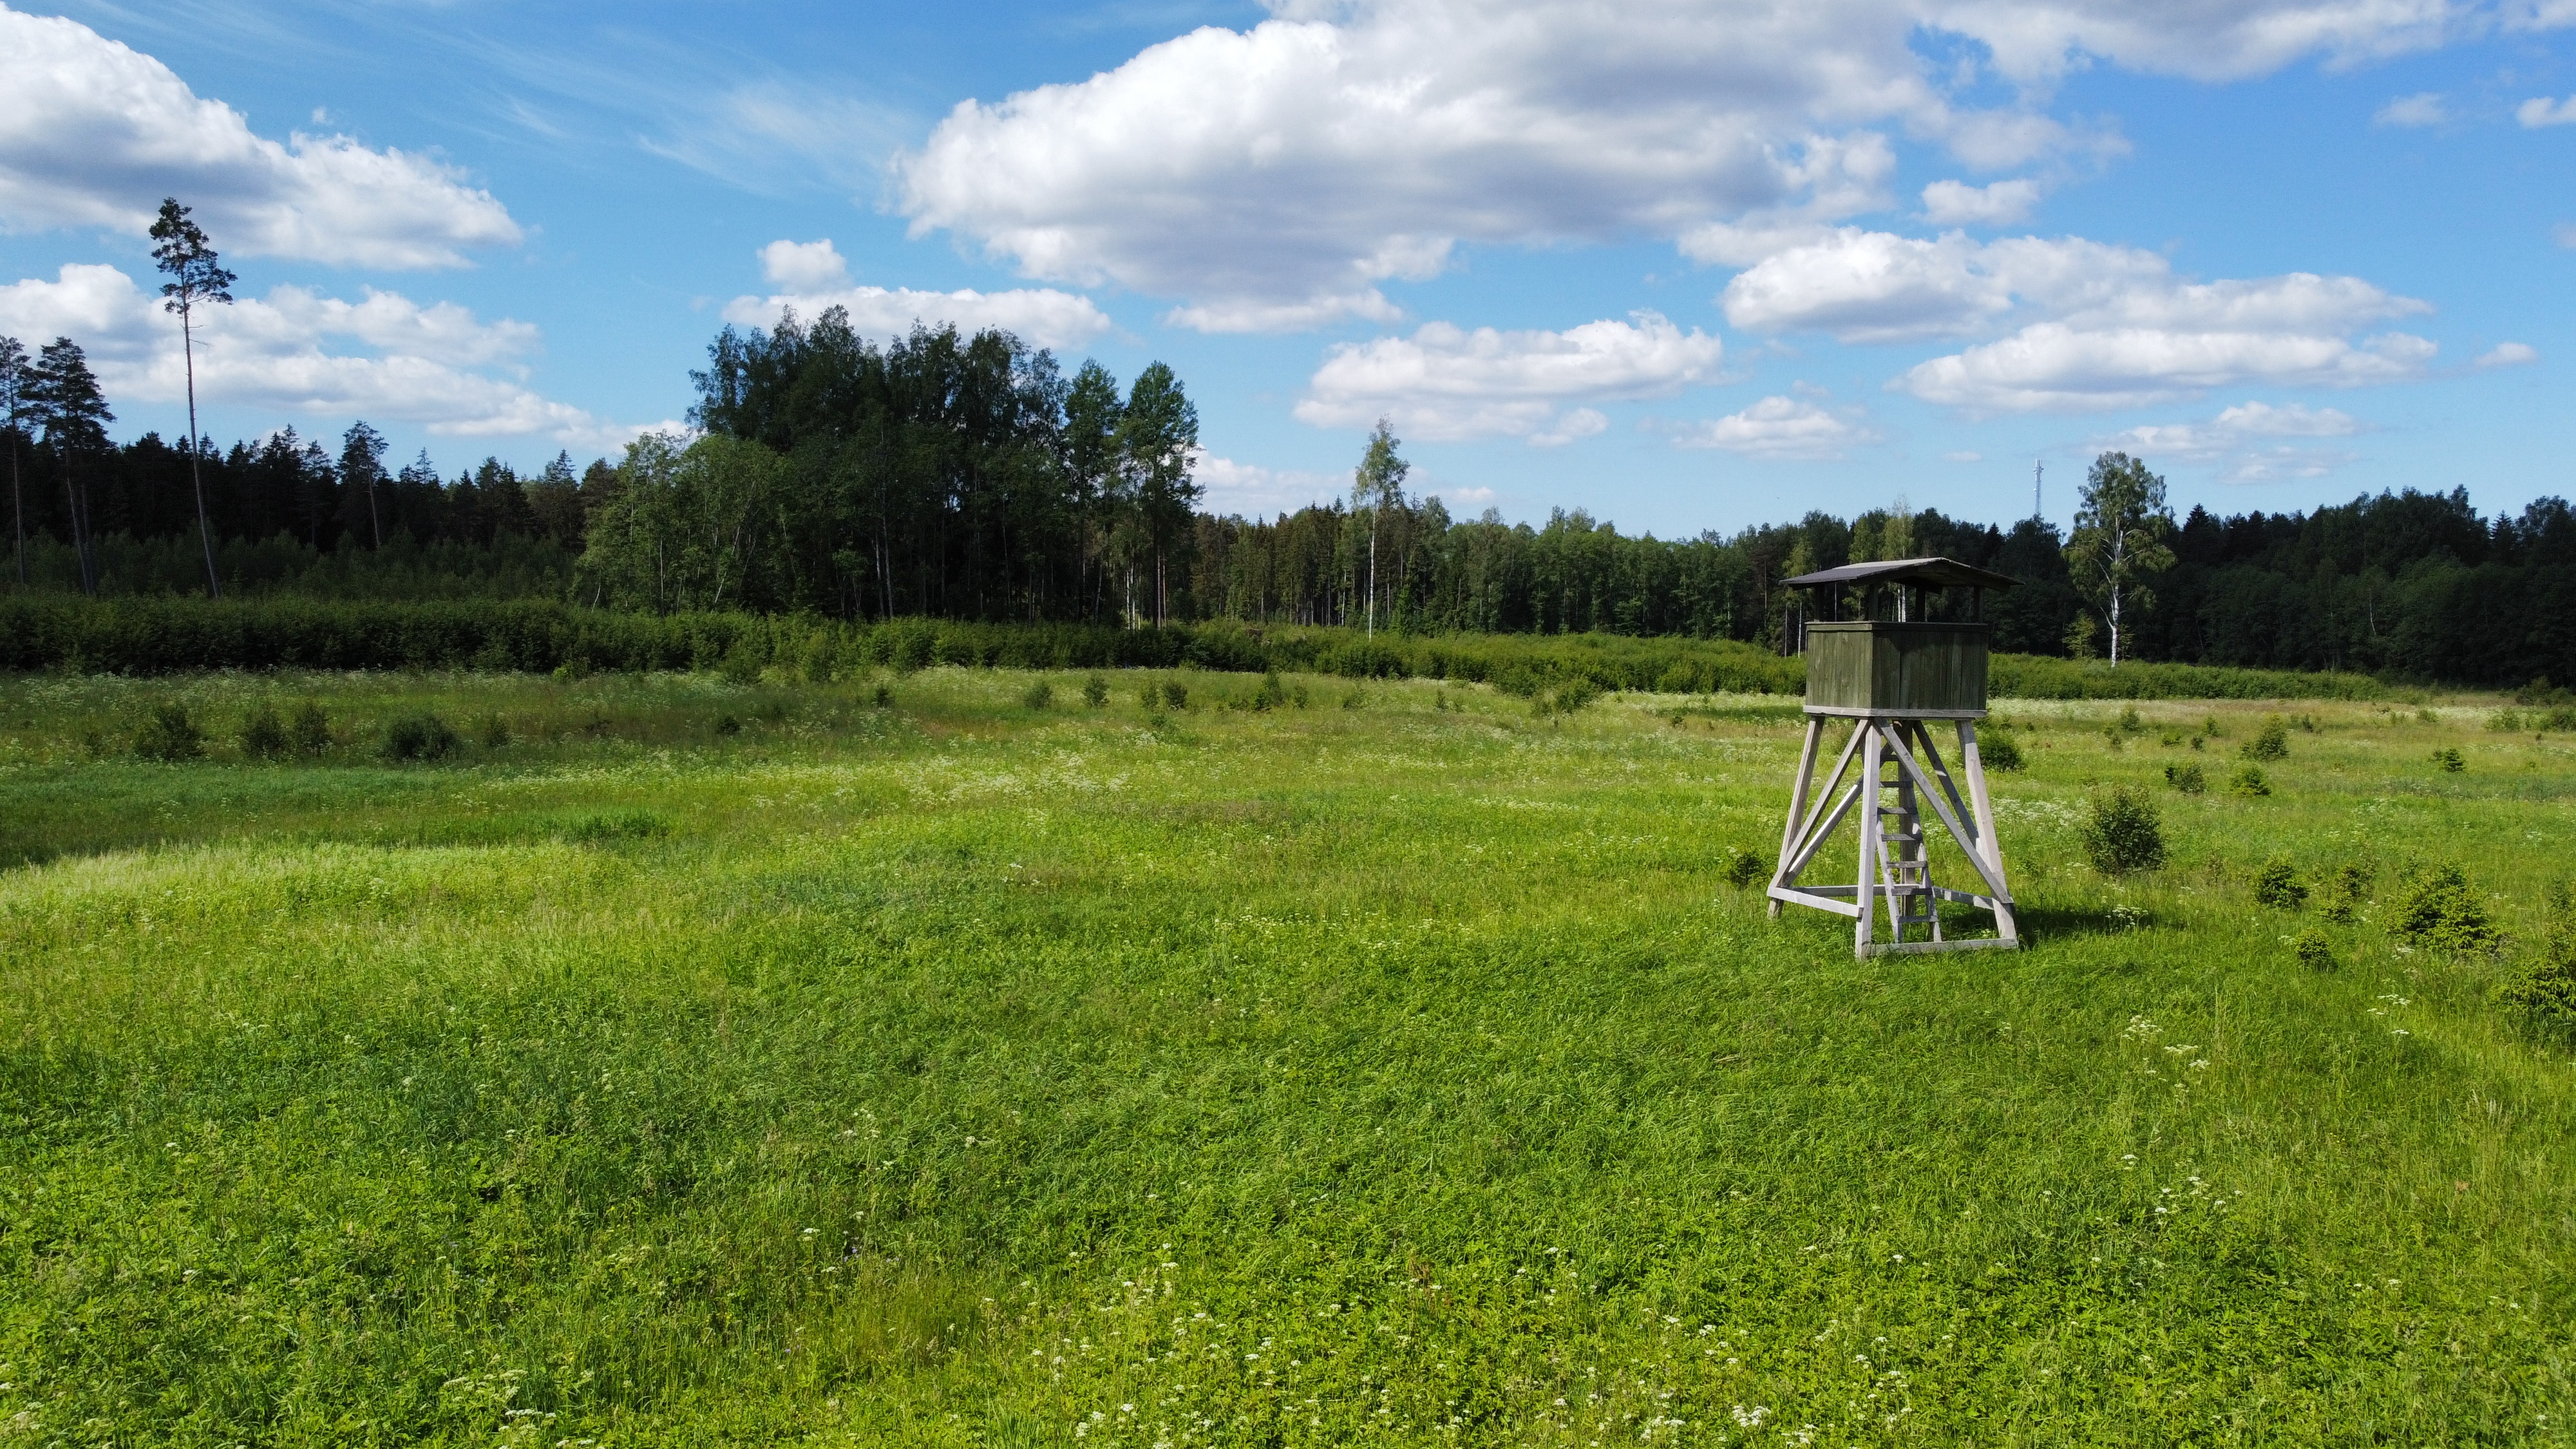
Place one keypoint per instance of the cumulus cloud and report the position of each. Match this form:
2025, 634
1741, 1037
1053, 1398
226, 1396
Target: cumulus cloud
95, 134
2098, 325
2509, 354
2244, 440
1956, 203
1445, 383
1276, 177
2425, 108
817, 278
1258, 492
1777, 429
435, 365
2541, 111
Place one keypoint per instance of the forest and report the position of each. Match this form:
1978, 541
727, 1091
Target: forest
968, 477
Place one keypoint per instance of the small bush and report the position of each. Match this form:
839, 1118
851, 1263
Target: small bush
2122, 832
2424, 715
1356, 699
263, 734
1574, 695
2209, 727
2272, 742
1176, 695
2186, 777
1745, 867
2450, 759
1040, 695
419, 737
1095, 691
2278, 885
2111, 738
169, 735
2200, 742
1999, 752
2345, 894
2130, 724
2443, 911
310, 729
2504, 722
882, 696
2313, 950
2248, 781
2545, 990
493, 733
727, 726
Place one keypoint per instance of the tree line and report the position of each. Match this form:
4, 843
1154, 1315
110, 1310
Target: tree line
968, 477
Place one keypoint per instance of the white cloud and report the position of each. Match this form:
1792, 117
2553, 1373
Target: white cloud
1041, 315
95, 134
1778, 429
2509, 354
1276, 177
804, 266
1258, 492
1445, 383
270, 352
1956, 203
2240, 440
2051, 366
2541, 111
2425, 108
1963, 457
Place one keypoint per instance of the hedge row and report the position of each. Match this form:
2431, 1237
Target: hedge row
168, 635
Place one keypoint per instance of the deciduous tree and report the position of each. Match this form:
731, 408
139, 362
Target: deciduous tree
1378, 485
2121, 526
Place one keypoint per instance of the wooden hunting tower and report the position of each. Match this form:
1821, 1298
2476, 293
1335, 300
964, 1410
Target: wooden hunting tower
1877, 658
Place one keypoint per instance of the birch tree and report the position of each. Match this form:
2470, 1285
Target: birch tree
2119, 542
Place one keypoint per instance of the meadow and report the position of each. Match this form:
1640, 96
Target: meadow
947, 1058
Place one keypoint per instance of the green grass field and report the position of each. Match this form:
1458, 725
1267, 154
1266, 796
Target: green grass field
683, 1062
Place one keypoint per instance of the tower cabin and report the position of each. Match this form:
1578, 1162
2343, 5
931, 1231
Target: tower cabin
1893, 646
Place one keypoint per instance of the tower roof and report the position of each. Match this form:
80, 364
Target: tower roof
1939, 573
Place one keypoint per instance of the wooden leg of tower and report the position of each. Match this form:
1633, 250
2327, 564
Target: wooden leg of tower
1797, 804
1988, 844
1866, 894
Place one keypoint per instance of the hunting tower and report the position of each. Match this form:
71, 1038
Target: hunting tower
1877, 657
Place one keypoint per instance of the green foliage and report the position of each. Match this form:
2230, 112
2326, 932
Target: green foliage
610, 827
2450, 759
2442, 911
2122, 832
1570, 697
727, 726
2347, 891
1040, 695
2187, 777
264, 735
1175, 695
308, 728
2313, 950
2248, 782
2119, 542
419, 737
2272, 742
2277, 884
2544, 990
2130, 723
1745, 867
1999, 751
169, 735
493, 733
1095, 691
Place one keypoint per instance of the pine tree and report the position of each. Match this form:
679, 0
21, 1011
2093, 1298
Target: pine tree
74, 414
13, 412
196, 277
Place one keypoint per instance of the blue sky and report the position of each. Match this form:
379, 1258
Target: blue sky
1715, 266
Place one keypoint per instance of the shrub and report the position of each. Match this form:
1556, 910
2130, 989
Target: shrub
419, 737
2122, 832
169, 735
1039, 696
263, 734
2443, 911
2272, 742
1745, 867
1176, 695
2248, 781
2450, 760
309, 728
882, 696
1573, 695
1095, 691
2278, 885
1356, 699
494, 732
2186, 777
2345, 894
2545, 991
2505, 722
728, 726
2200, 742
1999, 752
2313, 950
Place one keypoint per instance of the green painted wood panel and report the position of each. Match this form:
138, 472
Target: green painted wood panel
1899, 667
